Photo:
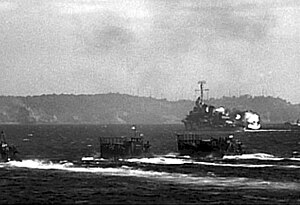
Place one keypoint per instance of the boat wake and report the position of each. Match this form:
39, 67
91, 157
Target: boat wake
126, 171
245, 160
259, 156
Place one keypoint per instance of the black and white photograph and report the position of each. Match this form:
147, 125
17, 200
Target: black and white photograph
150, 102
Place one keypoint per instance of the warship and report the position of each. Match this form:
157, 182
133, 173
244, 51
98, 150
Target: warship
114, 149
210, 131
7, 152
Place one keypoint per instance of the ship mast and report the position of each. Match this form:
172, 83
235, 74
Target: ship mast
201, 83
207, 93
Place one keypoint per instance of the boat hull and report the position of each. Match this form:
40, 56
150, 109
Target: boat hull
8, 153
116, 148
205, 144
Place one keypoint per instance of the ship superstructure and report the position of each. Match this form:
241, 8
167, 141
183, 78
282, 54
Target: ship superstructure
209, 131
209, 117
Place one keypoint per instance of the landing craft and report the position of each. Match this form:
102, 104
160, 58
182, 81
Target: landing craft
114, 149
7, 152
209, 131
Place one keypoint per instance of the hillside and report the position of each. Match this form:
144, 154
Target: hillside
121, 108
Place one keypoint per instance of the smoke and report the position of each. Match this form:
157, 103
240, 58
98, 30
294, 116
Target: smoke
221, 110
247, 119
252, 120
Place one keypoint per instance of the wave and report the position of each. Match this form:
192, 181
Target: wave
269, 130
242, 161
259, 156
170, 161
161, 160
188, 179
36, 164
173, 159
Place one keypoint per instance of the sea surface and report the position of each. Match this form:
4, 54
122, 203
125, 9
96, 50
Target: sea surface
51, 173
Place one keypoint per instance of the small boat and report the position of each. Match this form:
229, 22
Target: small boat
208, 144
115, 149
7, 152
295, 154
293, 125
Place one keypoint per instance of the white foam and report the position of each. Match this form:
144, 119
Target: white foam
260, 156
160, 160
87, 158
266, 130
235, 165
177, 161
39, 164
237, 182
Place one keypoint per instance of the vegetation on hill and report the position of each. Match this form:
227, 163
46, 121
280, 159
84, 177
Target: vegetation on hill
122, 108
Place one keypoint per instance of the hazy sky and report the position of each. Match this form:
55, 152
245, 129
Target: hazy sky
162, 47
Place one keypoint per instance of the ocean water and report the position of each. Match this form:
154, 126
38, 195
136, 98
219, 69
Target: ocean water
51, 173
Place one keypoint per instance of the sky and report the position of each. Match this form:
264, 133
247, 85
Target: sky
158, 48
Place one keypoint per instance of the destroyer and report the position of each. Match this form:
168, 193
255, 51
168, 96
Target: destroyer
113, 149
210, 131
7, 152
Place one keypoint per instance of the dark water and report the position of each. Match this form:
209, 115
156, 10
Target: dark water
268, 175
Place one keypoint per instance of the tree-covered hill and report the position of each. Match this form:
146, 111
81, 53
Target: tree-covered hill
122, 108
